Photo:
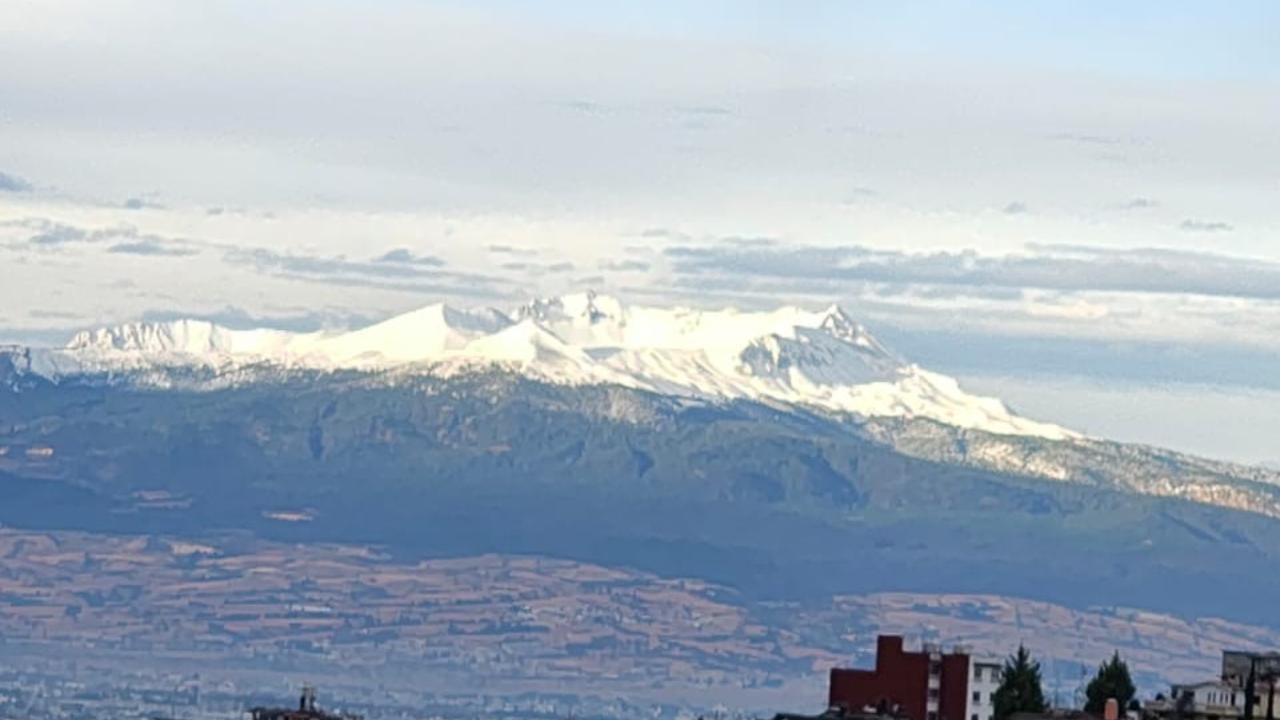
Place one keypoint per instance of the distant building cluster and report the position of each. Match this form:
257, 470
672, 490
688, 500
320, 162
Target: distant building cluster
306, 710
1246, 688
935, 684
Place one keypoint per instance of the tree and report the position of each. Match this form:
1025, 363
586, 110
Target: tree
1019, 689
1112, 681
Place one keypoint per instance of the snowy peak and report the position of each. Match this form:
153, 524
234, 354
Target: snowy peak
826, 348
838, 324
821, 360
193, 338
528, 343
189, 336
424, 334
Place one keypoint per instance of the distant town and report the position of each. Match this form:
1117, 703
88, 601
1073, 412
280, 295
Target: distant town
929, 683
934, 683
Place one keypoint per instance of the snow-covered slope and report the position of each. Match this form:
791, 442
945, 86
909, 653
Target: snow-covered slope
820, 359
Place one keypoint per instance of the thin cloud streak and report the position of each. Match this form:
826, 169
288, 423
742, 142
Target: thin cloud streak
1205, 226
150, 247
408, 257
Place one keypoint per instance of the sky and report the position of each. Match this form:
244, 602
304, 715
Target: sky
1072, 205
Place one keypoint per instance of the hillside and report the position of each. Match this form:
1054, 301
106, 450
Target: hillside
777, 502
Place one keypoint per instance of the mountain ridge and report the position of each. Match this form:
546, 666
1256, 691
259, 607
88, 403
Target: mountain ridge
796, 361
771, 499
822, 359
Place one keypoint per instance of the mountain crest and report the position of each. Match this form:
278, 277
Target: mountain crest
589, 307
187, 336
821, 360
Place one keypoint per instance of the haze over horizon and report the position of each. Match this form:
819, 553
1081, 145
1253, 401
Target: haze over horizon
1071, 207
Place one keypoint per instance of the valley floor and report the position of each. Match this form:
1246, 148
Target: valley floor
514, 626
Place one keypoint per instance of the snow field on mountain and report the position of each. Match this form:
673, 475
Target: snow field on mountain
823, 359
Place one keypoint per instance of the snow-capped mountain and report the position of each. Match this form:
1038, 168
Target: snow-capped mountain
817, 359
782, 448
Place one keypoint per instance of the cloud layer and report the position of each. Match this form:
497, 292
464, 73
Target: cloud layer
1045, 267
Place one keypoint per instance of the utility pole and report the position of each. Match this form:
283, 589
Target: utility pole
1271, 695
1057, 684
1249, 686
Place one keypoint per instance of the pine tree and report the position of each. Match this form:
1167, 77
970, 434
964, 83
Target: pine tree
1112, 681
1019, 689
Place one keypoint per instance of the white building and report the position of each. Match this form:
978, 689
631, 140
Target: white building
984, 679
1213, 700
1225, 699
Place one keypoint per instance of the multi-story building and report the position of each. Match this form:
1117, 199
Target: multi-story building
984, 680
925, 685
1236, 665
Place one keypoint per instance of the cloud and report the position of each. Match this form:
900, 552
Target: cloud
538, 269
1046, 267
294, 319
749, 242
511, 250
589, 107
1087, 139
42, 314
1138, 360
315, 265
478, 287
57, 234
398, 269
1015, 208
14, 184
858, 193
49, 235
138, 203
1205, 226
625, 266
407, 257
153, 247
704, 110
343, 272
1139, 203
660, 233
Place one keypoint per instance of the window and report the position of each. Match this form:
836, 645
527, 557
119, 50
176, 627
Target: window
935, 668
992, 698
977, 696
933, 693
977, 672
933, 716
973, 716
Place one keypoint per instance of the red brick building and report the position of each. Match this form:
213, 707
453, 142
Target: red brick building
926, 685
